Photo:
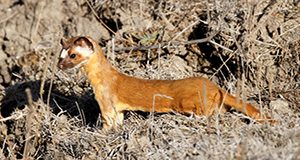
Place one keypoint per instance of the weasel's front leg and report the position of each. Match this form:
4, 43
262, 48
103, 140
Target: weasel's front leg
111, 118
110, 115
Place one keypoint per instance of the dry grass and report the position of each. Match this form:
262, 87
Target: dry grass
252, 51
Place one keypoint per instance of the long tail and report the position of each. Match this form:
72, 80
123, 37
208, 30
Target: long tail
245, 108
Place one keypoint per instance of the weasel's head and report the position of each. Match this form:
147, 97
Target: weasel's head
75, 52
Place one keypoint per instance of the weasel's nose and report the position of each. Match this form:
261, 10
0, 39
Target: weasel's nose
60, 64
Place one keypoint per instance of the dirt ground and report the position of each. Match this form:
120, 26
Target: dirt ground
251, 48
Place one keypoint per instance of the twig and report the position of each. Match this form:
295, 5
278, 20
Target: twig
185, 29
224, 63
287, 31
44, 75
13, 117
169, 45
223, 47
99, 19
81, 114
38, 20
153, 107
9, 17
53, 68
28, 143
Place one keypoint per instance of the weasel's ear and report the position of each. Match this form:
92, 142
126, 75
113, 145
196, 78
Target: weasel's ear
84, 42
63, 42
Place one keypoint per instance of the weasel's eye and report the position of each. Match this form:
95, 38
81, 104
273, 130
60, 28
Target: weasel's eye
72, 56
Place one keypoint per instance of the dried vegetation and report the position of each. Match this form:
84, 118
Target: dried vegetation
251, 48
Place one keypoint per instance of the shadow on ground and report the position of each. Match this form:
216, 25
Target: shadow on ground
16, 98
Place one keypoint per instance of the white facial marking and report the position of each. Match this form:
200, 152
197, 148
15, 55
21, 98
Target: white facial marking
64, 53
86, 52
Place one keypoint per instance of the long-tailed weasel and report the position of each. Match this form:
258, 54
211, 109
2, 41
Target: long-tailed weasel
117, 92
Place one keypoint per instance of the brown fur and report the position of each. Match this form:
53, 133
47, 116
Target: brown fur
117, 92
